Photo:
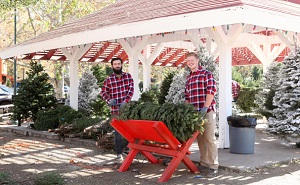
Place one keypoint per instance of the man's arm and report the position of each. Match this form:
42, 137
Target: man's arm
208, 100
130, 90
210, 89
105, 91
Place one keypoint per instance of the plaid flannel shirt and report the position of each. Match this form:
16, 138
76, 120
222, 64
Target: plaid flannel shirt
119, 88
198, 84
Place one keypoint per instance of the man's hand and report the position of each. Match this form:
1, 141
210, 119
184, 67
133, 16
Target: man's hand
203, 111
122, 104
112, 102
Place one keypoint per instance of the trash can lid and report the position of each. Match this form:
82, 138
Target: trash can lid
238, 121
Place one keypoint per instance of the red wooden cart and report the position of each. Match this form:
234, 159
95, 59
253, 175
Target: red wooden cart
139, 132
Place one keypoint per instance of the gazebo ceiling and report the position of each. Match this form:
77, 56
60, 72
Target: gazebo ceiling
169, 56
124, 20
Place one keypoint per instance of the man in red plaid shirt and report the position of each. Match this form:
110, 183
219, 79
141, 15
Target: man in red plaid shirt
200, 89
117, 90
235, 90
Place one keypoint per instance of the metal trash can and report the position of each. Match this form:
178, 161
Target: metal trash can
242, 136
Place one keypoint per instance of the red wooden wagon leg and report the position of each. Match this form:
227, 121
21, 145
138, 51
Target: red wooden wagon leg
189, 164
170, 169
176, 160
186, 160
128, 160
150, 157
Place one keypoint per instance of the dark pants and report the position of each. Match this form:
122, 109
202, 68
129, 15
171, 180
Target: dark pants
120, 143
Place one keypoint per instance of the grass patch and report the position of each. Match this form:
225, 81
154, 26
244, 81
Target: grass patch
5, 179
49, 178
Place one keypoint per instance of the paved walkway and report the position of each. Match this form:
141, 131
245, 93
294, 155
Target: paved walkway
267, 151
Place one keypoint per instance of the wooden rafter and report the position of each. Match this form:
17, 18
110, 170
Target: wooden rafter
48, 55
172, 57
123, 56
29, 56
113, 53
179, 61
83, 56
162, 55
100, 52
62, 58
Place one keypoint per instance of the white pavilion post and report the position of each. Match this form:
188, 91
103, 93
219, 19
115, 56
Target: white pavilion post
225, 40
74, 55
146, 68
225, 97
133, 48
147, 61
134, 71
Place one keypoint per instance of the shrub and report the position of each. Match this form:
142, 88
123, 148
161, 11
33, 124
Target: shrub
5, 179
49, 178
149, 96
81, 123
70, 115
246, 99
46, 119
50, 119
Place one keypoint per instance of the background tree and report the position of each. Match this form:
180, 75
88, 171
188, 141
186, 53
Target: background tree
41, 16
35, 93
35, 17
176, 90
151, 95
255, 73
286, 117
88, 92
248, 76
165, 86
264, 98
100, 107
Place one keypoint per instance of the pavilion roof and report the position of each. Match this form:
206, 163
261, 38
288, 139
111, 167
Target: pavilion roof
47, 46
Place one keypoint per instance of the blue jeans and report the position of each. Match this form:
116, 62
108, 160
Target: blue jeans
119, 143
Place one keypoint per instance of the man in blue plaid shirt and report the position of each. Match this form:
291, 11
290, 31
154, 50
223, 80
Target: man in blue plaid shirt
117, 90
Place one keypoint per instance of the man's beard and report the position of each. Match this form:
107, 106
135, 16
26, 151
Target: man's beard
117, 71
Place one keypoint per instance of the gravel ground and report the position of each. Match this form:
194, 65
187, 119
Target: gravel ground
24, 158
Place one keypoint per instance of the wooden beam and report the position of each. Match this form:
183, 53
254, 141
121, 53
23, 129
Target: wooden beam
91, 46
29, 56
115, 51
62, 58
123, 55
100, 52
48, 55
172, 57
51, 53
179, 61
162, 55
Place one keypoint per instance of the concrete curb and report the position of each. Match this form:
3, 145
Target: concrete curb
44, 134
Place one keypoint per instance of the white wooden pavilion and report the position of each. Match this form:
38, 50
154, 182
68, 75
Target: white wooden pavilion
161, 32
